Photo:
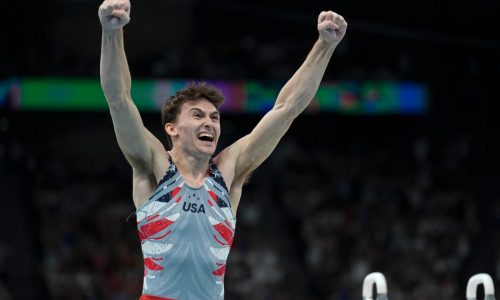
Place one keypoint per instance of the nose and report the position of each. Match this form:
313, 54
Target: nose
207, 123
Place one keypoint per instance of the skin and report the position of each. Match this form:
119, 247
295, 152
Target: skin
146, 154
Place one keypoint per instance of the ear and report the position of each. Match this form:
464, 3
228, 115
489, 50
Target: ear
171, 130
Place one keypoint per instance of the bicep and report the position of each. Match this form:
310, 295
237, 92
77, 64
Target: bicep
256, 147
134, 140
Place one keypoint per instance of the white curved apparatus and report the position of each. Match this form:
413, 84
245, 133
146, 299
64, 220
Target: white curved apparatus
486, 281
378, 279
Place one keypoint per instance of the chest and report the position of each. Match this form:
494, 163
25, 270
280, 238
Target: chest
174, 195
181, 214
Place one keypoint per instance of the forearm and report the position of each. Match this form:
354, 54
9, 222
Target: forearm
298, 92
115, 74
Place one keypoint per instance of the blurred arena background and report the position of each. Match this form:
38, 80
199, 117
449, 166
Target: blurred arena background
413, 194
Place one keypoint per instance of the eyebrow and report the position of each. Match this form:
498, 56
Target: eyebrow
204, 112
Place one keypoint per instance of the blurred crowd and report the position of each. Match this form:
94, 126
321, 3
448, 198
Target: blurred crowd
329, 216
376, 210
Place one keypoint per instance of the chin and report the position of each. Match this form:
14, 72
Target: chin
210, 152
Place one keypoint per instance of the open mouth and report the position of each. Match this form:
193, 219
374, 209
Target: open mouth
206, 137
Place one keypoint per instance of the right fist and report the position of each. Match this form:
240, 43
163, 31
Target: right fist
114, 14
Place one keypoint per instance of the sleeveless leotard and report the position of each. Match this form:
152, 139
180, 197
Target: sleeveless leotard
186, 235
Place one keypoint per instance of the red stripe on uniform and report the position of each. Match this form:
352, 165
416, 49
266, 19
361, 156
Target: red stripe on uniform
213, 195
151, 265
220, 271
153, 228
175, 191
225, 232
149, 297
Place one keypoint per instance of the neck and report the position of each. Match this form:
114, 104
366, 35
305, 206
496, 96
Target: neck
191, 167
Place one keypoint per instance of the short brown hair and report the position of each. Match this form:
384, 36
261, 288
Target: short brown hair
192, 92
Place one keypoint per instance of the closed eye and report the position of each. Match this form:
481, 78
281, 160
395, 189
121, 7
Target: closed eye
215, 116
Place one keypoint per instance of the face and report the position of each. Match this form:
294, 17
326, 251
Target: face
196, 129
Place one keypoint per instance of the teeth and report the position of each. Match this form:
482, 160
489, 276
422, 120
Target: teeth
206, 135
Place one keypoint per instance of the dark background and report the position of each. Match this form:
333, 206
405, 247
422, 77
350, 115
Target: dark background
415, 197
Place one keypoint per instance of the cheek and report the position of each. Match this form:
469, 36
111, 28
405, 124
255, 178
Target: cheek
185, 127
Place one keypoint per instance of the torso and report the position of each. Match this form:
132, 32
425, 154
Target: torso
186, 234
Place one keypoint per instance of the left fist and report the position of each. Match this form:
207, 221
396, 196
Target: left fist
331, 27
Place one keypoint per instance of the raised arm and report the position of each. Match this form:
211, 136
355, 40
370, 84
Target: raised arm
135, 141
251, 150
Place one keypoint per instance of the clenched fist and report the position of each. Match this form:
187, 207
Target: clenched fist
331, 27
114, 14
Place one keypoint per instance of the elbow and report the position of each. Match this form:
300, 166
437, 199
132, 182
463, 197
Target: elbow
287, 111
115, 95
292, 109
293, 105
114, 91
